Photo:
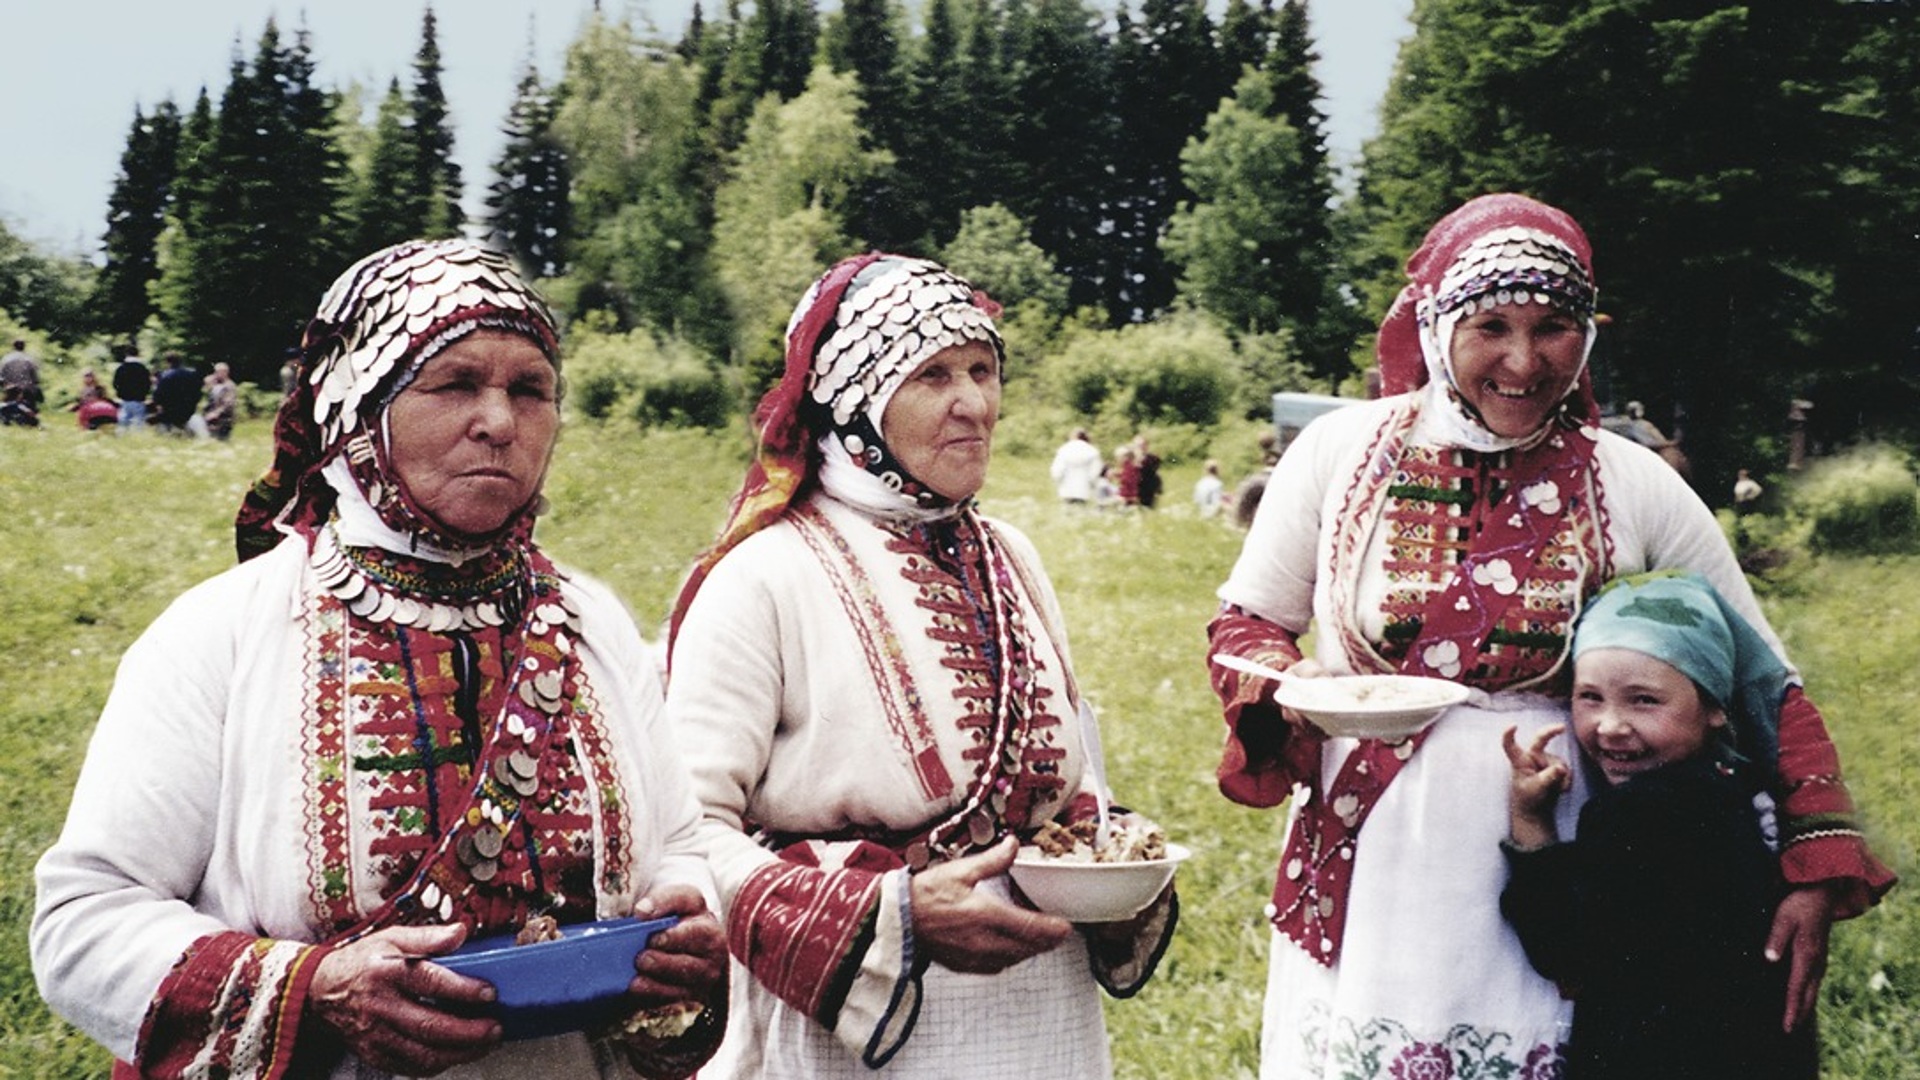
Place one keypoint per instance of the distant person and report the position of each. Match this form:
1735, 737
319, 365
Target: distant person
1746, 494
1126, 464
1209, 492
1246, 495
20, 376
1148, 463
94, 408
132, 384
1642, 430
223, 399
1656, 912
176, 395
1076, 469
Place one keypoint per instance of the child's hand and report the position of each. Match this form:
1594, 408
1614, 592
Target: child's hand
1539, 778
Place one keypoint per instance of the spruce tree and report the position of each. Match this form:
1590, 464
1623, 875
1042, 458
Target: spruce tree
436, 174
386, 206
258, 214
530, 215
136, 216
864, 41
1168, 77
1060, 66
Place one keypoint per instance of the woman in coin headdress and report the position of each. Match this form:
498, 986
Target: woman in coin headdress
872, 691
1454, 529
396, 725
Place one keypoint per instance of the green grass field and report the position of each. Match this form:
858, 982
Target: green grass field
99, 533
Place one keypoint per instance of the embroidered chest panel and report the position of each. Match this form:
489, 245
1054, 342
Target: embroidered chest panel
1433, 506
999, 689
446, 798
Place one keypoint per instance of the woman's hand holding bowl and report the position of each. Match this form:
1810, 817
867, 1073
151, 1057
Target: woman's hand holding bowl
685, 962
391, 1010
965, 930
1308, 668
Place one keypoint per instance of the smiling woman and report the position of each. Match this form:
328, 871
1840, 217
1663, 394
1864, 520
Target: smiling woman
1454, 530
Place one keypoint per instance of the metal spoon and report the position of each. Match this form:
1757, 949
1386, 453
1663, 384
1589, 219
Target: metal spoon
1096, 761
1251, 667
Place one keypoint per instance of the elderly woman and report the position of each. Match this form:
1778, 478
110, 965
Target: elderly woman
393, 727
1454, 529
871, 687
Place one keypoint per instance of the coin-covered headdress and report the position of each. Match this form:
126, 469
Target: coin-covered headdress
377, 325
859, 331
1493, 250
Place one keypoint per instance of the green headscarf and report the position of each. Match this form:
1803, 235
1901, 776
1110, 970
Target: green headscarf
1678, 618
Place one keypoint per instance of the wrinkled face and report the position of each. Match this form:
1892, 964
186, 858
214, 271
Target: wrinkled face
1515, 362
1632, 713
471, 436
939, 424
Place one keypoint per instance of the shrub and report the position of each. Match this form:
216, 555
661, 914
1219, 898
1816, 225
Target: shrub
1181, 370
657, 382
1862, 501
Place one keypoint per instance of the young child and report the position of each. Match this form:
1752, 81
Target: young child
1655, 916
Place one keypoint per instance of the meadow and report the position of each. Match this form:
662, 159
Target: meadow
98, 534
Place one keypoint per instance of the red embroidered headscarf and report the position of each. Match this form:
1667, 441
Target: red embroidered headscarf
1493, 249
860, 330
378, 324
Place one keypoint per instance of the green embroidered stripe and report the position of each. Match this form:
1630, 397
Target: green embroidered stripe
398, 762
1527, 639
1427, 493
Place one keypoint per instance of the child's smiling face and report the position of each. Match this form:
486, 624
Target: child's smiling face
1633, 713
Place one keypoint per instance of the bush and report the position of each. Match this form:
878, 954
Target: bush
1181, 370
1862, 501
657, 382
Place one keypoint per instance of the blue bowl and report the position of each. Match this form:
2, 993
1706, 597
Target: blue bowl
577, 983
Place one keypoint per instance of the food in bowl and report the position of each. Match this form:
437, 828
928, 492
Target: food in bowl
1131, 838
1063, 874
1370, 706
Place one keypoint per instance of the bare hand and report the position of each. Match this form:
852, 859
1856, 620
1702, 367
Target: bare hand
1303, 669
1800, 929
1539, 779
970, 931
686, 961
391, 1009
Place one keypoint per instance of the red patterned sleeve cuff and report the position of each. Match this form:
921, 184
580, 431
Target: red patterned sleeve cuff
1820, 835
231, 1006
1263, 756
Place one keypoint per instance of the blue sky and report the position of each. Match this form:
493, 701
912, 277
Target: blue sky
77, 68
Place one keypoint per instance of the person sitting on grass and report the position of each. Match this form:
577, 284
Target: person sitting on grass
1654, 917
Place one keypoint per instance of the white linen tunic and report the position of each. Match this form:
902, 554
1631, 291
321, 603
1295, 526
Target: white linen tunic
190, 814
790, 720
1428, 969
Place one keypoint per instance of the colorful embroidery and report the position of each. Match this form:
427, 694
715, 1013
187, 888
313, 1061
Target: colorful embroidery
425, 808
1506, 559
1382, 1048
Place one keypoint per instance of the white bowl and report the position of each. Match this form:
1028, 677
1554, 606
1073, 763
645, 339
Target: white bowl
1370, 706
1090, 892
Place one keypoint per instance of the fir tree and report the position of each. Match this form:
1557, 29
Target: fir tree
1060, 67
530, 213
257, 213
1167, 78
436, 174
136, 216
387, 207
